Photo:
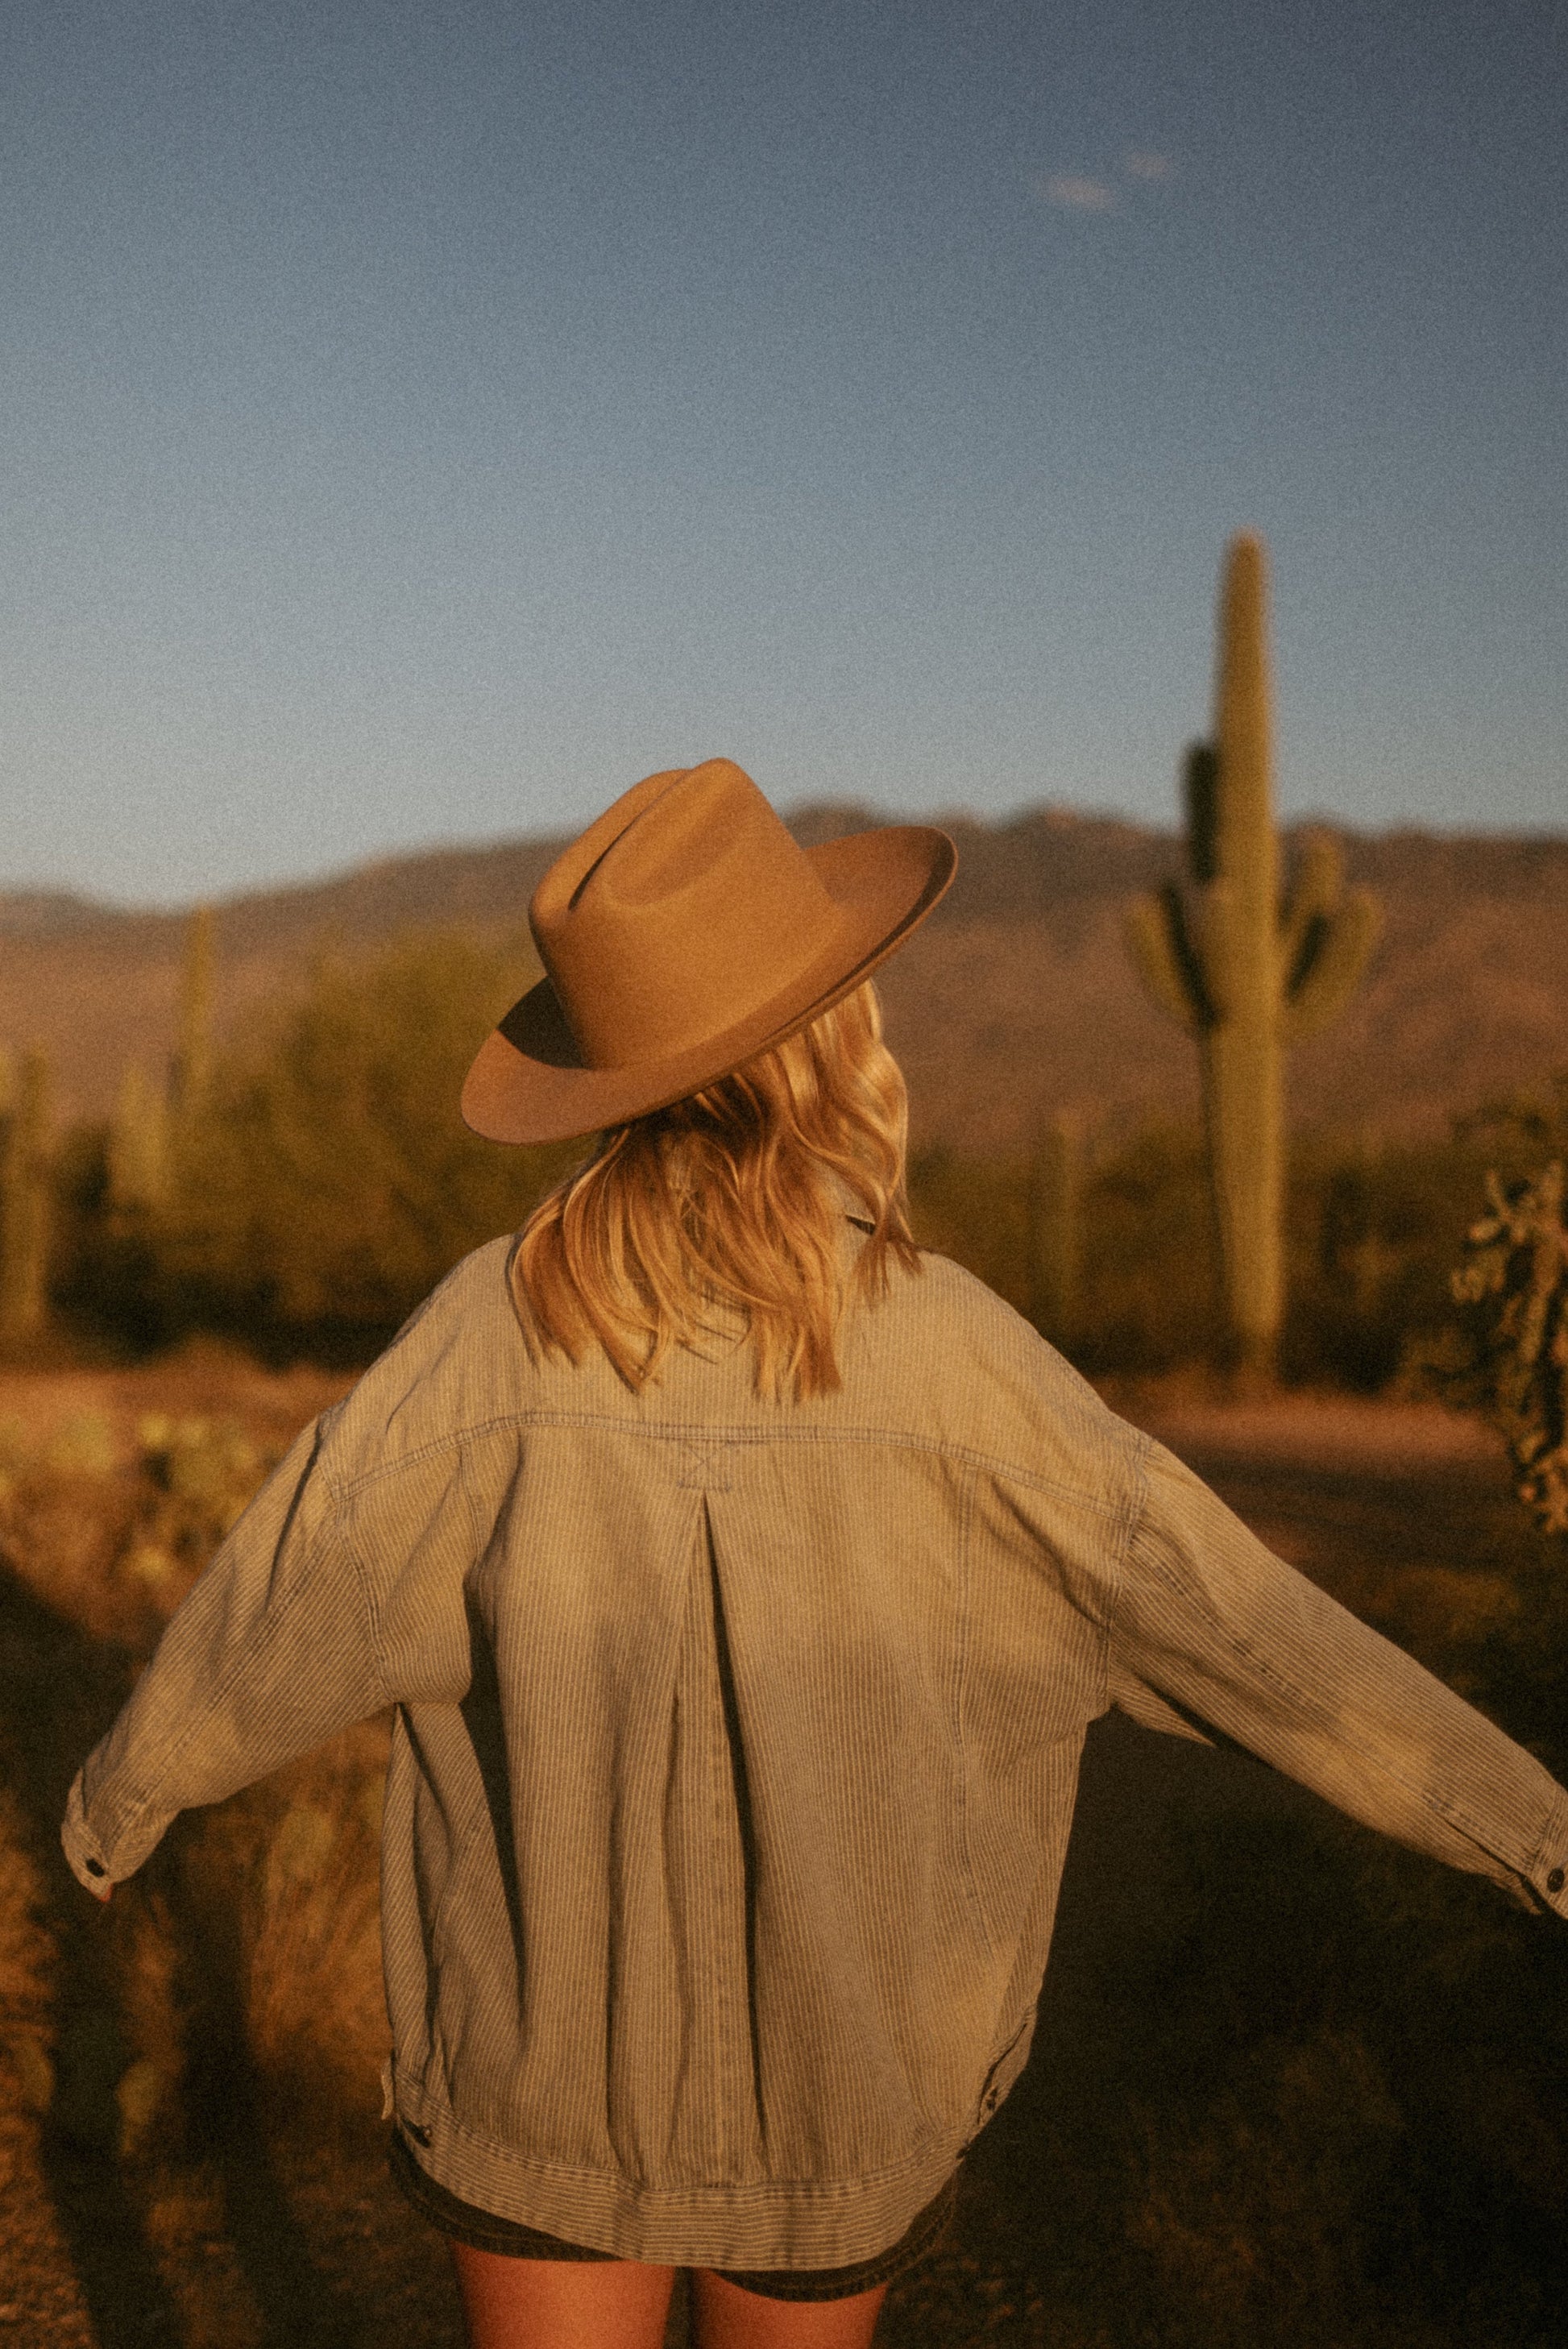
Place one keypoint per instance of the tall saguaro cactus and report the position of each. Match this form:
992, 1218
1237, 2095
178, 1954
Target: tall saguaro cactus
1245, 972
25, 1198
138, 1143
192, 1067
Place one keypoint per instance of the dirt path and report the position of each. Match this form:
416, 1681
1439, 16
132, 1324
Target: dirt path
40, 1408
75, 2265
1357, 1493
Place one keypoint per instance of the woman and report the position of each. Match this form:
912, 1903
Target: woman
744, 1583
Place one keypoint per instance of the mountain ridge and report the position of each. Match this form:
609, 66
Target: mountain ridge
1014, 1000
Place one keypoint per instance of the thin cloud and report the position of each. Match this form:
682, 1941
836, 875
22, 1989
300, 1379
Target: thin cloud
1142, 165
1078, 195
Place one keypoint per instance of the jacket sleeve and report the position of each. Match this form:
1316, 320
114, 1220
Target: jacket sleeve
1212, 1632
272, 1651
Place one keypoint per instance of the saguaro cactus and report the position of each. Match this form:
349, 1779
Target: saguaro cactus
24, 1203
1244, 973
138, 1143
192, 1068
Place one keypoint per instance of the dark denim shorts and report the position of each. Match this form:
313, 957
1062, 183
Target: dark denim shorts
484, 2231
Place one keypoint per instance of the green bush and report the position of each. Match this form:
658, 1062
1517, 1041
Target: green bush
1143, 1280
1372, 1239
1507, 1353
1373, 1233
327, 1182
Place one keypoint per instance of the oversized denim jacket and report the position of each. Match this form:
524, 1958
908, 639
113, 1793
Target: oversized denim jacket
735, 1743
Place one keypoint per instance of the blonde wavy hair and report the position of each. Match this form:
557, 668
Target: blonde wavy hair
733, 1196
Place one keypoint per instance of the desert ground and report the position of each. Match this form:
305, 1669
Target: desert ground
1287, 2083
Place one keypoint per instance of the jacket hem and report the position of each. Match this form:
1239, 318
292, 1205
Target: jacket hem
759, 2224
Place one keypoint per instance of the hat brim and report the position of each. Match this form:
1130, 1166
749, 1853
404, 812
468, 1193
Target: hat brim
529, 1082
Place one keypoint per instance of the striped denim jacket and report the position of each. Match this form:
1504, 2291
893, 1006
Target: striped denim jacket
735, 1743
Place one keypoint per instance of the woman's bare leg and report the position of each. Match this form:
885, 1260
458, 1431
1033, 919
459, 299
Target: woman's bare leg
726, 2317
561, 2304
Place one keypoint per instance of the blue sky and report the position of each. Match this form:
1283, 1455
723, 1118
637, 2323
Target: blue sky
421, 421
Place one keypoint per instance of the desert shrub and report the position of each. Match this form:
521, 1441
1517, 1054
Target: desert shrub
68, 1507
245, 1955
107, 1287
328, 1182
1141, 1300
195, 1476
1375, 1234
27, 1959
262, 1953
112, 1533
1372, 1235
247, 1995
1507, 1350
1147, 1286
975, 1210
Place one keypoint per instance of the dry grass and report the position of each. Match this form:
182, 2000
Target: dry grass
183, 2072
292, 1867
111, 1513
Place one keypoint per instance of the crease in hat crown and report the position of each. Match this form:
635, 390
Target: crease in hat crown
688, 906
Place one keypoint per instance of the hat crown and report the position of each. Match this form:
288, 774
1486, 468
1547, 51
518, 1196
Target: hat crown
683, 910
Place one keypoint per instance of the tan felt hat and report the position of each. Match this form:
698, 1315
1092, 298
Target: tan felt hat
683, 933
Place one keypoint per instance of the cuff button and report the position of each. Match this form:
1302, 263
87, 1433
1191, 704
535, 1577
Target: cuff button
97, 1868
1556, 1880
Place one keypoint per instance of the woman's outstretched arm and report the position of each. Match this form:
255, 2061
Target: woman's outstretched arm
1211, 1631
272, 1651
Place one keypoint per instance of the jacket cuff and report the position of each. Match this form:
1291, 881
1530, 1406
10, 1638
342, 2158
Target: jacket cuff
82, 1848
1548, 1872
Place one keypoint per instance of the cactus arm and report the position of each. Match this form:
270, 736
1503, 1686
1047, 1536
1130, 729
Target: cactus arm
138, 1143
1314, 894
25, 1198
1193, 941
1164, 958
1199, 793
1335, 951
191, 1072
